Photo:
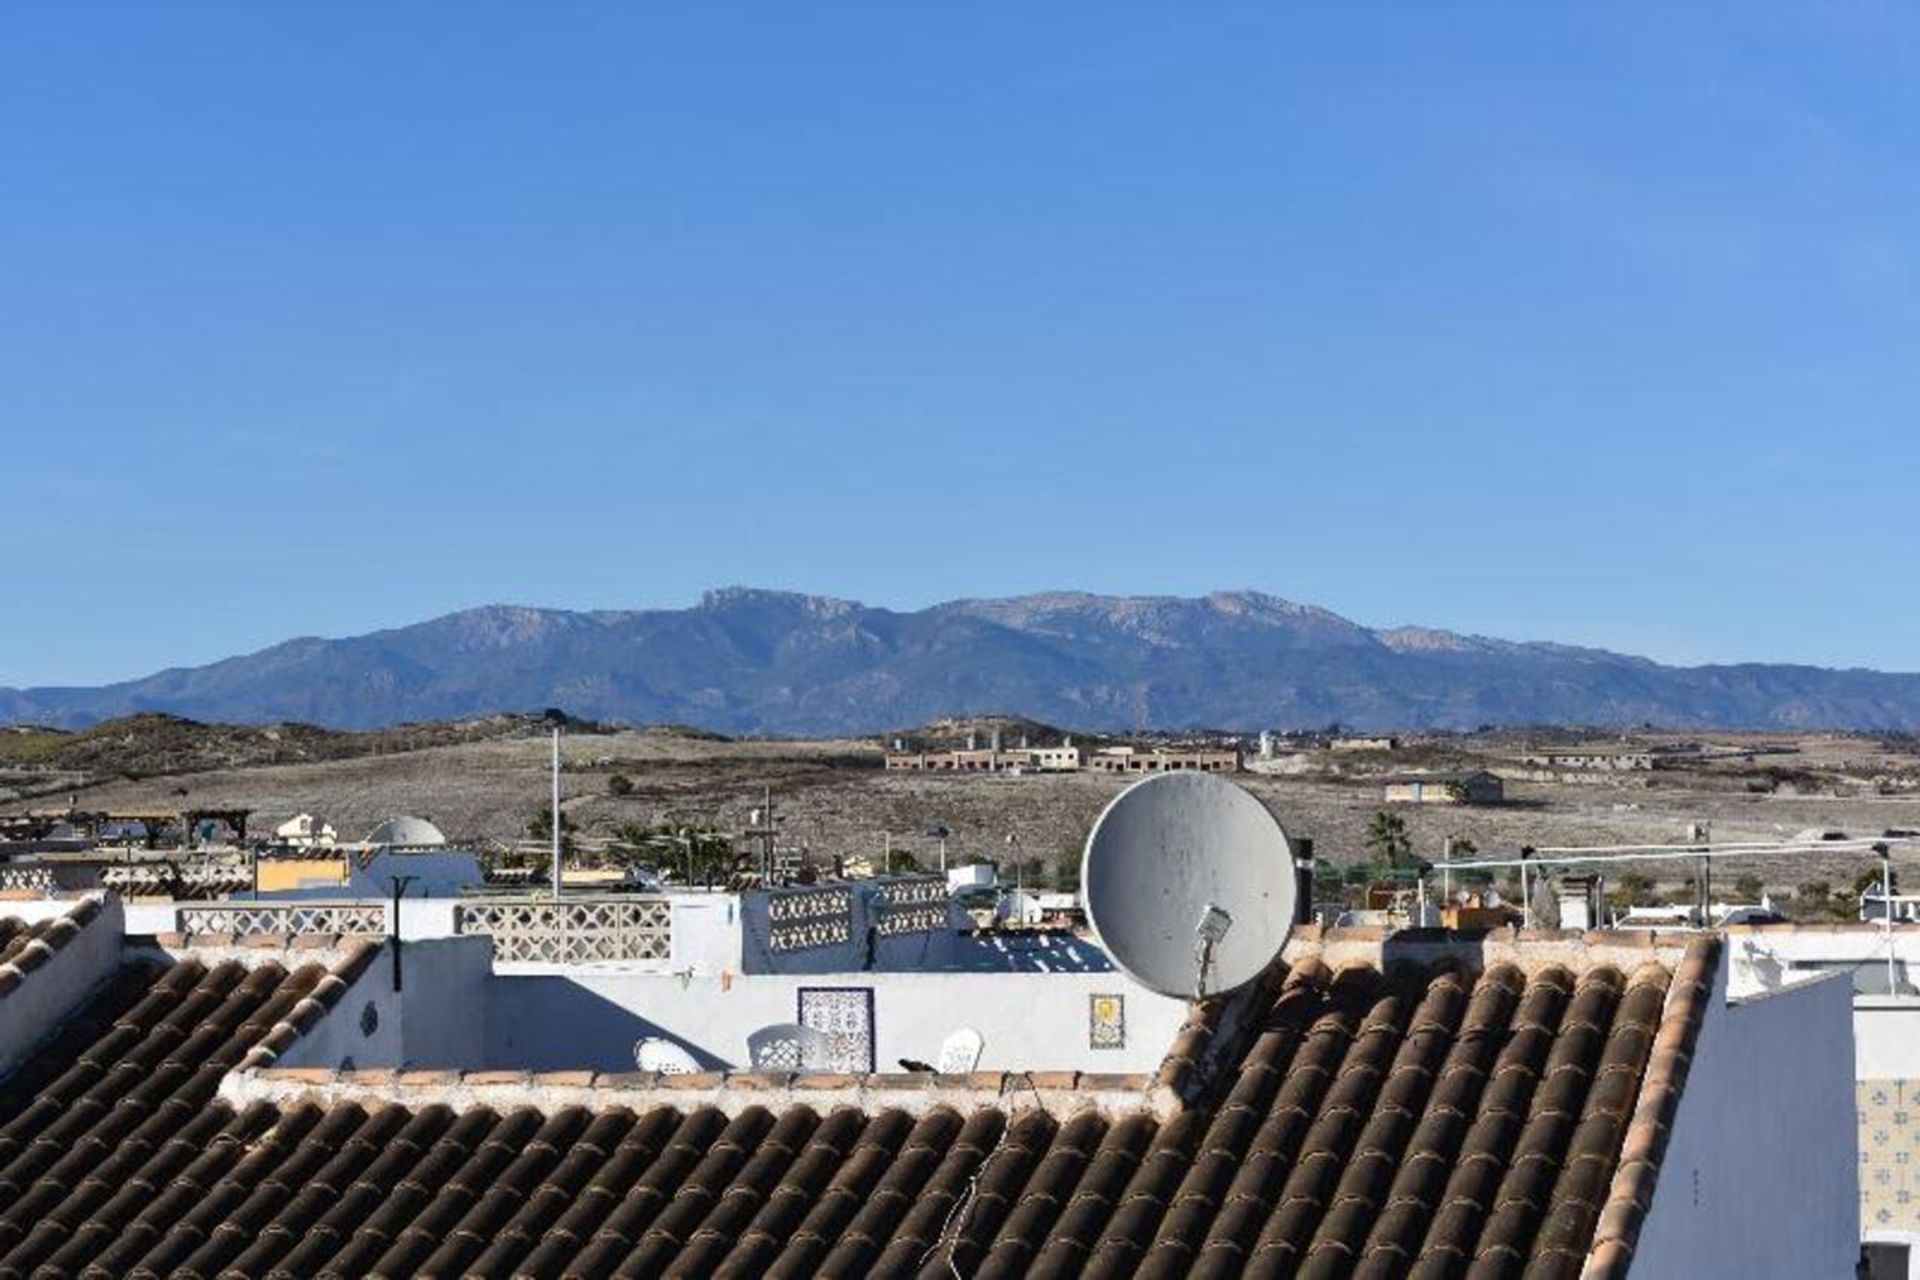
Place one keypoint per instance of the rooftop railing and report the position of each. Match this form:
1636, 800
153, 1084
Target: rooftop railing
291, 919
571, 931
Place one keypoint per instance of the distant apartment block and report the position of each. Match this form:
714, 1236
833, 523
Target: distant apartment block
1133, 760
1612, 759
989, 760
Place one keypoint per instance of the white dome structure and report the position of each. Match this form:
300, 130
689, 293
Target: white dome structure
406, 833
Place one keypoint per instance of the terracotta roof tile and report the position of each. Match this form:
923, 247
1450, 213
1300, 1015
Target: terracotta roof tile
1424, 1123
885, 1207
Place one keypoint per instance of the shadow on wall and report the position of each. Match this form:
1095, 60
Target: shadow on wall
1027, 953
555, 1024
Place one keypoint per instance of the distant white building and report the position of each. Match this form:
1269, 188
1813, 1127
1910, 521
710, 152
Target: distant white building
1160, 760
1614, 759
1061, 759
304, 831
974, 875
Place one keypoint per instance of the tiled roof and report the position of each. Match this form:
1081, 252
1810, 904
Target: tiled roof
1422, 1123
25, 947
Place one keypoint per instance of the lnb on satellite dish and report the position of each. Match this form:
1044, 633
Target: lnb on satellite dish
1189, 883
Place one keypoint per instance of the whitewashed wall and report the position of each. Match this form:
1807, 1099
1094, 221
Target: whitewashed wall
1029, 1022
1759, 1178
1886, 1038
437, 1019
712, 934
34, 1010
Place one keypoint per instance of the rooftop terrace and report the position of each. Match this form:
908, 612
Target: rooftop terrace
1449, 1110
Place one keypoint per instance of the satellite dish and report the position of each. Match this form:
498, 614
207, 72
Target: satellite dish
1189, 883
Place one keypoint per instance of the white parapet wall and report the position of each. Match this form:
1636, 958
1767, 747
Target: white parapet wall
891, 924
1759, 1175
32, 1011
1096, 1022
437, 1016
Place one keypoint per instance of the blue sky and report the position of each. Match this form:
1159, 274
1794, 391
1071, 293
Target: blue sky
1599, 325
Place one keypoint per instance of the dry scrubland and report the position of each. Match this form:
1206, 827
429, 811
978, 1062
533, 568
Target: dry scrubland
837, 798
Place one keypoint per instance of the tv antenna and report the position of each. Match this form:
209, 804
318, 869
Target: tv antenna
1189, 884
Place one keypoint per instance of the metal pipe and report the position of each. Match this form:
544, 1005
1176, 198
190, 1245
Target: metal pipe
1671, 853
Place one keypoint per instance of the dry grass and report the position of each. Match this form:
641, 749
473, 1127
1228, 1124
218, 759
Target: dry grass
837, 799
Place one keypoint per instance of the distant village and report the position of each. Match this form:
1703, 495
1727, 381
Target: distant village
496, 1025
989, 752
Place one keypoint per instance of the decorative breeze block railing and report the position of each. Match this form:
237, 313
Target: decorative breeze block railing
571, 932
38, 879
291, 918
205, 882
806, 918
912, 906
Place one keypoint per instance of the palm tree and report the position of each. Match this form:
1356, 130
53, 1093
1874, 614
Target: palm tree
1388, 839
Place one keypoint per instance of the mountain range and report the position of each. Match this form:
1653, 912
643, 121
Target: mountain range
753, 661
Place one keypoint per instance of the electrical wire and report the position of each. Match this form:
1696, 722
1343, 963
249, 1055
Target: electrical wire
956, 1219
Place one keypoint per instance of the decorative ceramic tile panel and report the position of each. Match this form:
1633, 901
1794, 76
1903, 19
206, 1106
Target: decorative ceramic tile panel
844, 1015
1107, 1021
1889, 1143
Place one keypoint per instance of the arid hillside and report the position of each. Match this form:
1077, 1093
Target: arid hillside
486, 780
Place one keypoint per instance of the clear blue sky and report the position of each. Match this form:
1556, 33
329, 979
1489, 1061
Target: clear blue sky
1595, 325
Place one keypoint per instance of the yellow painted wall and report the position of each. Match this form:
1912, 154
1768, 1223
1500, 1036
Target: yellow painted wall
300, 873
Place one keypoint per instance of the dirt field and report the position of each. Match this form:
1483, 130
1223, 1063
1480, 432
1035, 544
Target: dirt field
836, 798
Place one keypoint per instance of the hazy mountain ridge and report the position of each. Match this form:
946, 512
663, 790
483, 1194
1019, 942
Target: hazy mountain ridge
751, 660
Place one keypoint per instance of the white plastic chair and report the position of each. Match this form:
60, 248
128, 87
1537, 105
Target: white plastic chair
664, 1056
787, 1046
960, 1052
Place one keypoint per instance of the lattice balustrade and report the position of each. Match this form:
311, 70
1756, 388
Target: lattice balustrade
809, 918
572, 932
912, 906
293, 918
190, 882
38, 879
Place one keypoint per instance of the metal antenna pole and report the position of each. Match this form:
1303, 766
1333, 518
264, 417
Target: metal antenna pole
555, 812
399, 884
1886, 906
